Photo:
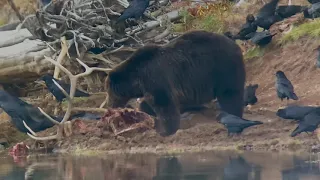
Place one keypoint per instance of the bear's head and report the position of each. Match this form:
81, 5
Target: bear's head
127, 79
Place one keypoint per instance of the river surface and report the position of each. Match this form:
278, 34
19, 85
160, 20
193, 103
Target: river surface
190, 166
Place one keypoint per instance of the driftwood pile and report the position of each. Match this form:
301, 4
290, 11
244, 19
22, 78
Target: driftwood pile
81, 26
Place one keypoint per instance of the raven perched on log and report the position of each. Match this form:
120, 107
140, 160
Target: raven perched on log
134, 10
54, 89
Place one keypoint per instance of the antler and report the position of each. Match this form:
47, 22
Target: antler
64, 127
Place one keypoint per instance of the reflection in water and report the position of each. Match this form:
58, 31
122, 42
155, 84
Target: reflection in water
192, 166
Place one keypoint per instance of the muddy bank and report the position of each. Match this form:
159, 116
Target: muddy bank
201, 133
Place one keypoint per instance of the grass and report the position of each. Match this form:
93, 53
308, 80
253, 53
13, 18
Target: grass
311, 29
254, 52
210, 17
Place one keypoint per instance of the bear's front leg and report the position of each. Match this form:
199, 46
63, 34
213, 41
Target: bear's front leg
167, 121
231, 102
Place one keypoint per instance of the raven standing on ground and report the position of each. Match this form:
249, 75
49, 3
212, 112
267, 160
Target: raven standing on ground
288, 11
58, 94
235, 124
318, 57
267, 16
284, 87
313, 11
309, 123
250, 94
313, 1
261, 38
247, 28
295, 112
20, 111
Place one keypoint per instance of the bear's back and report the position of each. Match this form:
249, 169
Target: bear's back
198, 62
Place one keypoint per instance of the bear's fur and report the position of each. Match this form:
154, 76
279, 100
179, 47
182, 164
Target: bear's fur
144, 107
193, 69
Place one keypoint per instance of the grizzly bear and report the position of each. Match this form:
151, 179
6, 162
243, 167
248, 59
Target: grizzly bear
191, 70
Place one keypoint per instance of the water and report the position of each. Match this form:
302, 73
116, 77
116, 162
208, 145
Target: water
192, 166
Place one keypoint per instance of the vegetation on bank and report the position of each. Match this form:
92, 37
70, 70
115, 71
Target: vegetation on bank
311, 29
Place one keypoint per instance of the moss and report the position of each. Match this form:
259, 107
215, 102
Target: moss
211, 23
311, 29
75, 100
2, 22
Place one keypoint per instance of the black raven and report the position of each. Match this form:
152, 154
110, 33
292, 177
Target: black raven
284, 87
313, 1
309, 123
313, 11
250, 94
267, 15
235, 124
295, 112
134, 10
318, 57
267, 10
20, 111
288, 11
58, 94
260, 38
249, 27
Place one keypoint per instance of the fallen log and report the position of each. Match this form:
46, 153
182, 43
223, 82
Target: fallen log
23, 60
13, 37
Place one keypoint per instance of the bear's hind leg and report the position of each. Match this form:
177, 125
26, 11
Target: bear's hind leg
231, 102
167, 120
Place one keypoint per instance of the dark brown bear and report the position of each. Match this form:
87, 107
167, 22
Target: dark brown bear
194, 69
